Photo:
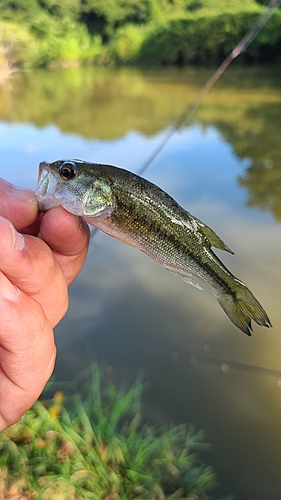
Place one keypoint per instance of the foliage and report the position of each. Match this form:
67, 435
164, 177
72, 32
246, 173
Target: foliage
101, 450
208, 36
116, 12
135, 31
19, 44
49, 41
126, 45
25, 8
62, 8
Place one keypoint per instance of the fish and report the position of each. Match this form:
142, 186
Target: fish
137, 212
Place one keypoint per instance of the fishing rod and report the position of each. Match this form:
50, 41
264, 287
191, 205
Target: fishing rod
240, 47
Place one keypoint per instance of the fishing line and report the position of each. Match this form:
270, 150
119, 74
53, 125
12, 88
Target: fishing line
240, 47
227, 365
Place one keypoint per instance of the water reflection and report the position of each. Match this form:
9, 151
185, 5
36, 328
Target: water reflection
245, 107
263, 182
132, 313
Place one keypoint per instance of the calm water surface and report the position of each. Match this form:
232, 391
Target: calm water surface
225, 168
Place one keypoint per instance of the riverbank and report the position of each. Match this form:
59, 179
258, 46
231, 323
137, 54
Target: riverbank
150, 32
99, 448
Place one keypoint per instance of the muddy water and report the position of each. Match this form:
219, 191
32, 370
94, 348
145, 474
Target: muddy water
225, 168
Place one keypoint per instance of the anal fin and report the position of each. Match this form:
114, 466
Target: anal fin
188, 278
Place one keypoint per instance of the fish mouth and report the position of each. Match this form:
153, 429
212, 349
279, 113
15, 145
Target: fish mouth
46, 187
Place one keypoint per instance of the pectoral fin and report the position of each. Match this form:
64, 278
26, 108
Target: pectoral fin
98, 200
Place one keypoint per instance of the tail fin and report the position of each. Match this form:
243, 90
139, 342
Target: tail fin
241, 307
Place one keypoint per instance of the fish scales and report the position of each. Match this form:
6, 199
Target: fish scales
139, 213
145, 221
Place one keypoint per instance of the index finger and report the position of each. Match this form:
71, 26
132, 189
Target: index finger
68, 237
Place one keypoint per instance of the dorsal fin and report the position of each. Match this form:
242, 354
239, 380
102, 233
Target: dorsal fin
213, 238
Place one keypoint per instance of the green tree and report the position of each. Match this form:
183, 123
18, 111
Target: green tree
62, 8
105, 16
18, 8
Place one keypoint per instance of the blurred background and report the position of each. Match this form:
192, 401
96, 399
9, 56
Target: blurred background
103, 81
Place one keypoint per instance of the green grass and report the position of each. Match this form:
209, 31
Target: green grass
98, 448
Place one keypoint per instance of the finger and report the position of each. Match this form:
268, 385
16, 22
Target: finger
18, 205
68, 237
27, 352
30, 265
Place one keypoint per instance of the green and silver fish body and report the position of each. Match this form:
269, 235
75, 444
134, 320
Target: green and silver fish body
139, 213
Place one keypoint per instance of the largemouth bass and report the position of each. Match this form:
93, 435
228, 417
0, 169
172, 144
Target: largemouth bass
139, 213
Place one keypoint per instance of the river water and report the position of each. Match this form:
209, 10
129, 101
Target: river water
224, 166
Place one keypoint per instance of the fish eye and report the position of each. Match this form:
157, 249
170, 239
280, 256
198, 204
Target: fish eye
67, 171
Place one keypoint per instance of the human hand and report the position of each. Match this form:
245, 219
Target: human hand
36, 266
